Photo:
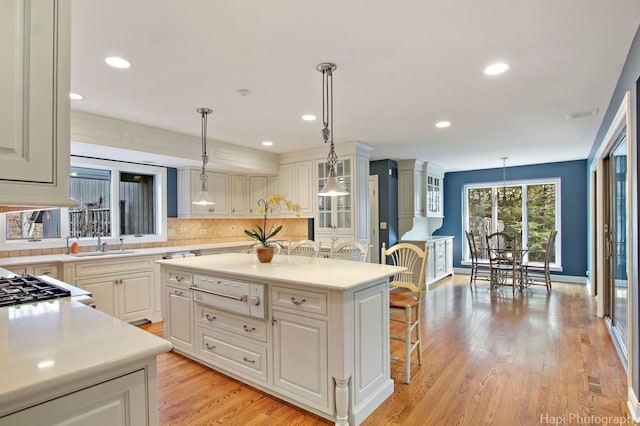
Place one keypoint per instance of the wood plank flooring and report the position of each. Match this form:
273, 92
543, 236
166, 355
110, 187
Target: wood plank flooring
489, 359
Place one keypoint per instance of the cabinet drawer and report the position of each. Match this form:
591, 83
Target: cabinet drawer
234, 354
299, 300
49, 270
107, 267
178, 277
236, 324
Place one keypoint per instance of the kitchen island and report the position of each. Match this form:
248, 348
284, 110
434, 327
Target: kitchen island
63, 361
311, 331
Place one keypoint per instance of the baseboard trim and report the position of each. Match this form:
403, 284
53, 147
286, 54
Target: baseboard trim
633, 405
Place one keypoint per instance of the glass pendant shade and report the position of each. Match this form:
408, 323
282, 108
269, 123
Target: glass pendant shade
332, 188
203, 198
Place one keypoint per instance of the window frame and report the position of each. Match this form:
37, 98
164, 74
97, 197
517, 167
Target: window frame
115, 167
494, 186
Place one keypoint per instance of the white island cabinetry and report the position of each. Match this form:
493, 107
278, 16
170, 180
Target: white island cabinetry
315, 333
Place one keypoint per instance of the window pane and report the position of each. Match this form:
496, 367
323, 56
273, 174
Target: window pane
137, 204
541, 207
92, 189
479, 201
33, 224
510, 211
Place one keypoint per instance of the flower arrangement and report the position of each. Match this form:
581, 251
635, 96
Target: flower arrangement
273, 204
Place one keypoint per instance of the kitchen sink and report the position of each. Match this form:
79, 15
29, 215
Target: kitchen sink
102, 253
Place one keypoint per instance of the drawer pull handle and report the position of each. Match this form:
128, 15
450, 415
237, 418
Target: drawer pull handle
248, 330
252, 361
210, 347
179, 278
210, 317
297, 302
179, 293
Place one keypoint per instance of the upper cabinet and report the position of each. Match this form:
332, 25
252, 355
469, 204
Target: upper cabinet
434, 201
296, 184
34, 106
420, 198
234, 195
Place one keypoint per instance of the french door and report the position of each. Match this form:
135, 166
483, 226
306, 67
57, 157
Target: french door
616, 272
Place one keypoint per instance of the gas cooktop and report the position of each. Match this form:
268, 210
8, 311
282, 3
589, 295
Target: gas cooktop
28, 289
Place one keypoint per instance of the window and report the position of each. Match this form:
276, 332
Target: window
528, 210
115, 200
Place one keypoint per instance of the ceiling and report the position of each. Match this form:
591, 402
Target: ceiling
401, 67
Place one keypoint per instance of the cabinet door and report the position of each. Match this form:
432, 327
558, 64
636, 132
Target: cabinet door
335, 214
104, 291
219, 187
448, 255
34, 106
434, 196
179, 327
135, 296
122, 401
258, 190
304, 179
300, 358
239, 200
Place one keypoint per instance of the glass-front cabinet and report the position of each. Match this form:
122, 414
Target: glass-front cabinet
335, 213
434, 195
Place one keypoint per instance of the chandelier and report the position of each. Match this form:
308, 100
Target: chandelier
203, 198
332, 187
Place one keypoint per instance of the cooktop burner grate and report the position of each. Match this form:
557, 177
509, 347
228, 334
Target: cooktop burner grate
28, 289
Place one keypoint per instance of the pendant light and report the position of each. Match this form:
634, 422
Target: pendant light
504, 179
332, 188
203, 198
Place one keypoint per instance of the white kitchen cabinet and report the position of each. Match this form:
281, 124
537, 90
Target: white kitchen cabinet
34, 106
258, 190
116, 402
434, 196
49, 269
411, 188
347, 217
189, 185
296, 184
300, 357
238, 195
178, 317
439, 258
122, 288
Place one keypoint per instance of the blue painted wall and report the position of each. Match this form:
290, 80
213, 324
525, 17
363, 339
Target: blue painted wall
172, 192
388, 198
573, 206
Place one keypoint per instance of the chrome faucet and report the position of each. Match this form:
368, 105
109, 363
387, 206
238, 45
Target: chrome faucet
101, 247
121, 244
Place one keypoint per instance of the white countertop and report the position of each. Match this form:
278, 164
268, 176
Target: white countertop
50, 344
132, 252
312, 271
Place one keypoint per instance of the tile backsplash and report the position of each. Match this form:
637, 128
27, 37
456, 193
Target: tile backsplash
183, 232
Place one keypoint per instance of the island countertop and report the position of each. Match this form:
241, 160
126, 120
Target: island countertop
54, 343
312, 271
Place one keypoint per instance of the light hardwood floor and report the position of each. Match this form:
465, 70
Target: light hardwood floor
489, 359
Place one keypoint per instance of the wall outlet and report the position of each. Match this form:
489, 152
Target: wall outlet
383, 225
203, 231
183, 228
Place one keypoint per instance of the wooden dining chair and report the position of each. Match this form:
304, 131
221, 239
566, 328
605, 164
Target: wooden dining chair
503, 260
307, 248
473, 254
350, 250
405, 306
544, 268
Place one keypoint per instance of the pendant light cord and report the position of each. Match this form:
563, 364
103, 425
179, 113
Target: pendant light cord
205, 157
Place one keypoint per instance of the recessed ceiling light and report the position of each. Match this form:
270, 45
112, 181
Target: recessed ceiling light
443, 124
117, 62
75, 96
267, 143
497, 68
309, 117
